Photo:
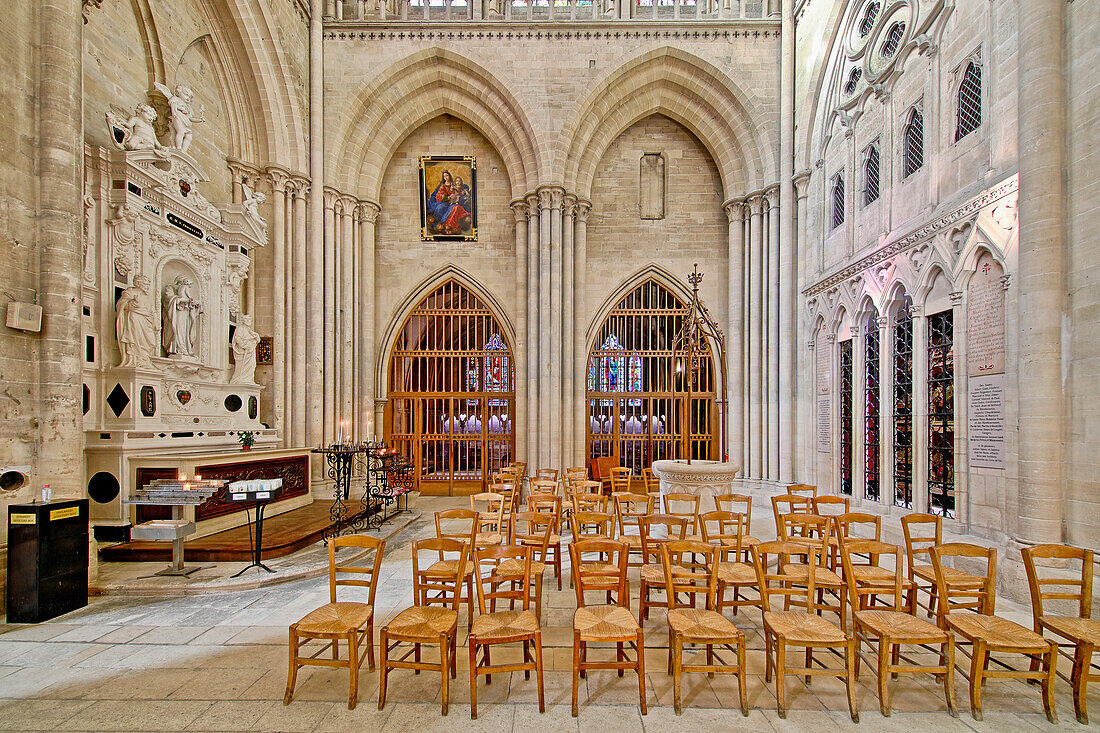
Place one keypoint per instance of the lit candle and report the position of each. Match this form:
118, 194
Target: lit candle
182, 477
198, 477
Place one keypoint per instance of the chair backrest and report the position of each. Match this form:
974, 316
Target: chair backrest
740, 503
620, 479
922, 533
805, 528
806, 491
696, 571
653, 526
509, 491
777, 583
683, 505
981, 599
456, 524
629, 509
829, 505
725, 528
579, 473
590, 524
858, 524
583, 502
601, 576
520, 468
532, 529
448, 587
490, 507
788, 504
356, 571
509, 586
547, 474
546, 504
652, 483
875, 551
544, 486
1069, 587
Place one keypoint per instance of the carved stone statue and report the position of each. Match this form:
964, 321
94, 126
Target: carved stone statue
180, 319
184, 116
135, 328
136, 129
252, 201
244, 352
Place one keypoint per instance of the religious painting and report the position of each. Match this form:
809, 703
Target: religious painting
448, 198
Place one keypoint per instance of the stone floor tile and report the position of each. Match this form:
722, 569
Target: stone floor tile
170, 635
365, 717
38, 714
151, 684
231, 715
217, 684
301, 716
138, 715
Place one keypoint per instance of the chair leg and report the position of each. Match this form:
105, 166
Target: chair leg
473, 678
444, 652
292, 674
557, 563
949, 676
977, 668
742, 689
850, 679
677, 650
538, 669
576, 668
383, 669
641, 671
488, 661
1050, 661
370, 645
670, 651
767, 656
353, 669
809, 664
780, 671
619, 656
884, 676
526, 658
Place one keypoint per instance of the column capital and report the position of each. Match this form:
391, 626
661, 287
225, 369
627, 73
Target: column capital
584, 208
330, 196
831, 338
532, 204
956, 298
569, 205
755, 201
348, 203
915, 311
883, 322
1005, 280
550, 197
239, 168
300, 186
367, 211
279, 178
735, 209
519, 210
380, 403
771, 193
801, 182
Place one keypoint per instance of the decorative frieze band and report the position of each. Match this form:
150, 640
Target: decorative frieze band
579, 35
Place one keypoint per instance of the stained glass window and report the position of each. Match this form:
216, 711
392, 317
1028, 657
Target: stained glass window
903, 409
846, 417
941, 414
615, 373
496, 369
872, 439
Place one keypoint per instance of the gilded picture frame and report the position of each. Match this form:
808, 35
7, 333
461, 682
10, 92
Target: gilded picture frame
448, 198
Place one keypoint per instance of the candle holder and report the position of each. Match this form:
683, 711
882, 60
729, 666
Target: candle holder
372, 464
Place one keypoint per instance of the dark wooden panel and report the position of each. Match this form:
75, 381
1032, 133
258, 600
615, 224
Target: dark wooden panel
293, 470
149, 513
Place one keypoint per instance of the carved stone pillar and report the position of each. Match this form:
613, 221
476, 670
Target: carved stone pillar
534, 409
580, 348
885, 411
788, 246
735, 370
519, 354
299, 405
772, 284
555, 298
314, 393
920, 410
755, 468
346, 345
859, 405
328, 322
367, 215
279, 355
567, 351
549, 205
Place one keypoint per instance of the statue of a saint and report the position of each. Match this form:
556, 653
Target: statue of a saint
180, 319
244, 352
135, 328
184, 116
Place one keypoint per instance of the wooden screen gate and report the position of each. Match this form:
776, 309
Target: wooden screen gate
451, 394
637, 409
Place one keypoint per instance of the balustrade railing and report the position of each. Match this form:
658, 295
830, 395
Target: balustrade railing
339, 11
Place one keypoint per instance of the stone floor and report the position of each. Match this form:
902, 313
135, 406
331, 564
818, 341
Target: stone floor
217, 662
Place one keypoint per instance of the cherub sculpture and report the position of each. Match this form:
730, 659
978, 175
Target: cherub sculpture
136, 129
184, 116
252, 201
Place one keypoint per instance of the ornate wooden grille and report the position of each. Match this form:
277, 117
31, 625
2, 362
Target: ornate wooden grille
871, 413
903, 408
941, 415
452, 392
846, 417
633, 413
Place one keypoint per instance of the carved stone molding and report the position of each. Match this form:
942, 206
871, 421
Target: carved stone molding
519, 210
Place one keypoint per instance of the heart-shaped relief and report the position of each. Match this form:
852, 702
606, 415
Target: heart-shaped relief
183, 396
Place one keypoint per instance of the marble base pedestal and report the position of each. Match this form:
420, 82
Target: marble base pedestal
706, 479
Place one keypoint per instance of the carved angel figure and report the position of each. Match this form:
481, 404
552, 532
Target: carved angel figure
180, 318
252, 201
135, 328
136, 130
184, 116
244, 352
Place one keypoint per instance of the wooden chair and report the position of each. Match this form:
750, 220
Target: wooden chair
423, 624
852, 524
801, 627
629, 510
687, 506
815, 531
533, 530
583, 502
574, 474
868, 572
620, 479
590, 525
985, 632
511, 493
741, 504
829, 505
651, 482
610, 623
547, 474
656, 530
893, 626
544, 486
726, 531
923, 532
1082, 632
550, 504
806, 491
459, 525
789, 504
492, 528
504, 573
699, 626
340, 620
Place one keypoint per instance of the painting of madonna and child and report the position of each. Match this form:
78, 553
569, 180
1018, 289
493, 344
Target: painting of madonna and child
448, 198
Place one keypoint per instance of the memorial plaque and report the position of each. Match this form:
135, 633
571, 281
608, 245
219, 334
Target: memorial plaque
986, 421
824, 425
824, 390
985, 319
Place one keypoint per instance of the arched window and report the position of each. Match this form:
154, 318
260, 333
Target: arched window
872, 398
868, 22
968, 111
853, 80
837, 198
903, 407
941, 414
893, 39
913, 141
846, 379
871, 176
613, 372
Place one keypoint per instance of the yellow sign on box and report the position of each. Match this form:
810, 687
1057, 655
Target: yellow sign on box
22, 518
73, 511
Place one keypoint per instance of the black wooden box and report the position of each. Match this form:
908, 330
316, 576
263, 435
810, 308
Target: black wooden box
47, 559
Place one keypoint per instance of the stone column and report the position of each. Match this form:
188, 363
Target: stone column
755, 311
556, 297
328, 322
773, 282
580, 347
959, 406
1041, 143
60, 158
534, 410
315, 393
519, 348
279, 354
746, 344
367, 214
299, 405
788, 246
920, 410
885, 412
567, 409
548, 406
735, 426
346, 345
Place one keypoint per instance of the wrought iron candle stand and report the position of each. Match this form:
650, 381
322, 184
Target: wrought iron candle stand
370, 464
698, 331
